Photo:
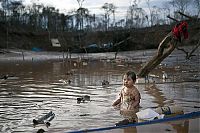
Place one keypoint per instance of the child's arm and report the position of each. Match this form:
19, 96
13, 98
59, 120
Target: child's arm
116, 102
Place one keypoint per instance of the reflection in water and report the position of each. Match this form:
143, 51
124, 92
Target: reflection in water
40, 87
130, 130
152, 90
181, 126
174, 127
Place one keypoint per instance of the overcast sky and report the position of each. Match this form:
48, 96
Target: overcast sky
94, 6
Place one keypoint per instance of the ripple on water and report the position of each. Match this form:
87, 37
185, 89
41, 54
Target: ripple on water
38, 91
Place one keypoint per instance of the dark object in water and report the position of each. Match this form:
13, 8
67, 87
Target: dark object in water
80, 99
69, 81
83, 99
105, 83
84, 115
86, 98
41, 130
124, 122
4, 77
45, 119
69, 73
168, 130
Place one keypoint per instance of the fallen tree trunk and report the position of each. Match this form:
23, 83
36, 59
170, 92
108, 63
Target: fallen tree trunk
162, 53
178, 33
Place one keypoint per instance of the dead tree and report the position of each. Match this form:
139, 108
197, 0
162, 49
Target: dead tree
165, 48
188, 54
162, 53
119, 43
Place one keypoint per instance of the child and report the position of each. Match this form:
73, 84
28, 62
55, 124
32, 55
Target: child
129, 98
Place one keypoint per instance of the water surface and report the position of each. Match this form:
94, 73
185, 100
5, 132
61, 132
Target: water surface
38, 85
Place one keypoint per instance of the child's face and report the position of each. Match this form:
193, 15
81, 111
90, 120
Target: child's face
127, 81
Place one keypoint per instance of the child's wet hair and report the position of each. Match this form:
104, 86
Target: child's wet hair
131, 74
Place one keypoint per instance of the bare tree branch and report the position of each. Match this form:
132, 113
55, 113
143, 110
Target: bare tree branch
195, 48
185, 15
172, 18
116, 44
189, 54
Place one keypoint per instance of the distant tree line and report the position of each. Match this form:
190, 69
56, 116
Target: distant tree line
40, 17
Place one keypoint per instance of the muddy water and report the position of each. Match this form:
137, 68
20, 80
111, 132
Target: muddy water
35, 87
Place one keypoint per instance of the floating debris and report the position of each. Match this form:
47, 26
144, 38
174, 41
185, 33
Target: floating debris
45, 119
65, 81
105, 83
5, 77
84, 115
83, 99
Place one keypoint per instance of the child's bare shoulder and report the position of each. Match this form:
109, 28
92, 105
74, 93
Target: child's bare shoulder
135, 91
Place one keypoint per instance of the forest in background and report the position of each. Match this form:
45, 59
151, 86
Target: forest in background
34, 26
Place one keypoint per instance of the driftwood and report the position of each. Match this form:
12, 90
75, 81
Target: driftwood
165, 48
162, 53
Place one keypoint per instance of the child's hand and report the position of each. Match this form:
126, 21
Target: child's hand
117, 107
